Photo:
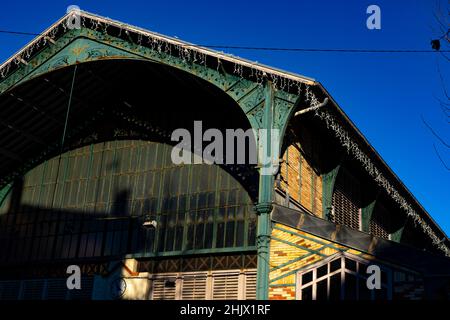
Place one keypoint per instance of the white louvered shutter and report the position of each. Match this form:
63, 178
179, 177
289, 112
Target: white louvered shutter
225, 285
56, 289
194, 286
85, 293
250, 285
32, 290
162, 291
9, 290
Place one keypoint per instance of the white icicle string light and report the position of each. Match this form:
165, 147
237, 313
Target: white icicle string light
352, 148
259, 77
299, 88
274, 80
238, 70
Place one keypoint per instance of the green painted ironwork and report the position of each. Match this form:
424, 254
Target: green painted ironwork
300, 246
281, 285
4, 193
307, 237
104, 193
263, 106
85, 45
192, 252
328, 180
311, 252
366, 216
397, 235
264, 206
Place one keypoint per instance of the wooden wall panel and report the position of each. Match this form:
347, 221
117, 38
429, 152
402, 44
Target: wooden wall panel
299, 179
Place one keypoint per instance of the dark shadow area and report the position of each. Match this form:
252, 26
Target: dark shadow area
112, 100
37, 234
198, 208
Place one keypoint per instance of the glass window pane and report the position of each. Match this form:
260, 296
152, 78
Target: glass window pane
335, 265
364, 292
322, 271
381, 294
220, 235
307, 277
230, 234
321, 290
335, 287
350, 264
240, 233
307, 293
199, 229
350, 287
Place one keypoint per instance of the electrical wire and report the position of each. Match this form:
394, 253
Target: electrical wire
342, 50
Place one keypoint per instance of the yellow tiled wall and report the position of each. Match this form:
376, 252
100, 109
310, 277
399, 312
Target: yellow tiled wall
292, 250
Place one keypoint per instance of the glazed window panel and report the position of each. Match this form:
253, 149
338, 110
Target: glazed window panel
115, 187
380, 223
346, 200
342, 278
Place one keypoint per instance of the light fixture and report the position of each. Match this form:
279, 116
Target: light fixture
149, 224
325, 101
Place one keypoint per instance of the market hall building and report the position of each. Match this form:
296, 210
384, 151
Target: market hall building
87, 110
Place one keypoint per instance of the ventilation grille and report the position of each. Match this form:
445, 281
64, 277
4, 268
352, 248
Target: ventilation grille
379, 223
346, 201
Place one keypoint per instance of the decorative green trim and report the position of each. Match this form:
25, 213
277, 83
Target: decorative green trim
86, 45
324, 244
264, 206
292, 261
190, 252
366, 216
303, 236
282, 285
328, 181
4, 193
313, 192
397, 235
263, 106
285, 107
300, 178
284, 275
300, 247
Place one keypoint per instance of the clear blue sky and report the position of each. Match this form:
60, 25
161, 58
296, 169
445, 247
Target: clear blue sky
384, 94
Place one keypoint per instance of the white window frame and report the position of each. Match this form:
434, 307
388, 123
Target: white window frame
342, 271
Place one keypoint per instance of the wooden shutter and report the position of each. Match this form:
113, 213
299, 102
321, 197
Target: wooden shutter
32, 289
9, 290
346, 201
194, 286
56, 289
162, 288
225, 285
87, 285
250, 285
379, 222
